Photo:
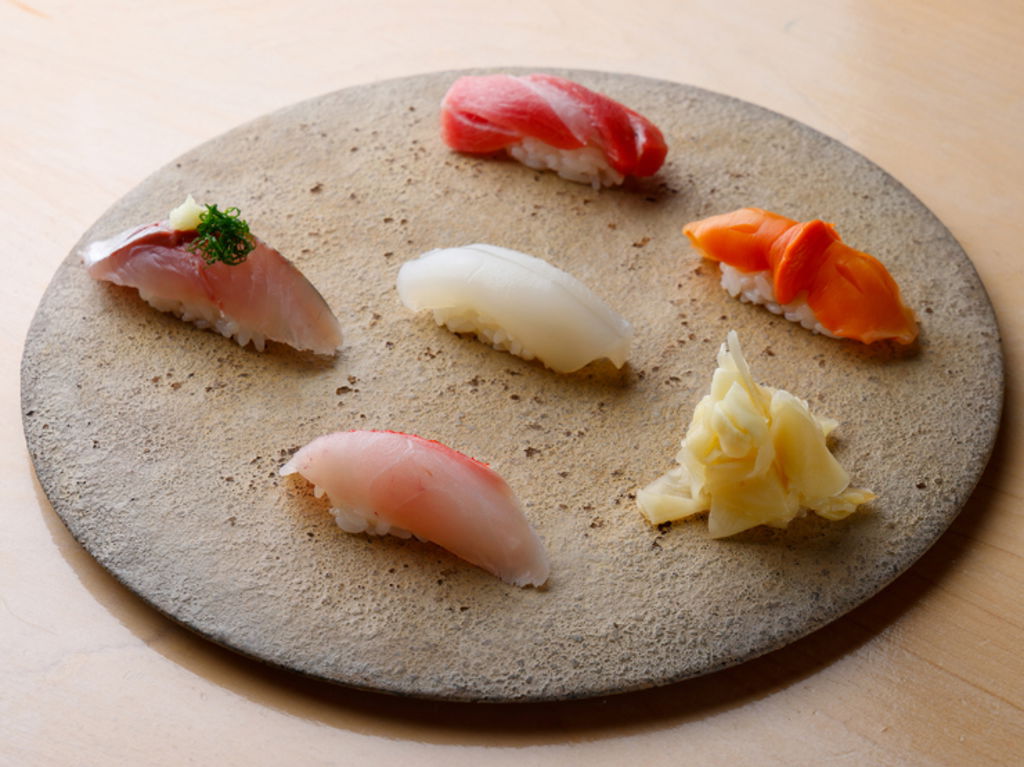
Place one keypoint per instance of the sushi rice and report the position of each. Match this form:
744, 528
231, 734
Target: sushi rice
207, 318
355, 520
487, 329
756, 288
586, 165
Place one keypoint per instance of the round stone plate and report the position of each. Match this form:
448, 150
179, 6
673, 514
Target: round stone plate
158, 443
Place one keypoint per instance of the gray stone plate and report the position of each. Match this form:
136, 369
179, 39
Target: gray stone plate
158, 444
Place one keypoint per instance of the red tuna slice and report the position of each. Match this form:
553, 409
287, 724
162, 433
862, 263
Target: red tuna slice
631, 142
488, 113
491, 112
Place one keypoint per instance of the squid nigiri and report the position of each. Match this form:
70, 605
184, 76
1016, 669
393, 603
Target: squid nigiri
550, 123
805, 272
515, 302
382, 482
239, 286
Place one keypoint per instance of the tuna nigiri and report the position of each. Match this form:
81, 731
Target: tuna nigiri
247, 290
382, 482
805, 272
550, 123
516, 302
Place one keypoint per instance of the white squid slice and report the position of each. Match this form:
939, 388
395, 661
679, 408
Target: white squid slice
517, 303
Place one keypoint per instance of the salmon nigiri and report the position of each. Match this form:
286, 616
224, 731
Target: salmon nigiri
550, 123
805, 272
382, 482
239, 286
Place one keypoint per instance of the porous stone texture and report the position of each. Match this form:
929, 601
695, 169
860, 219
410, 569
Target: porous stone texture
158, 444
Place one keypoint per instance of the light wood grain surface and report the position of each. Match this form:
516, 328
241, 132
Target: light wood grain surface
97, 95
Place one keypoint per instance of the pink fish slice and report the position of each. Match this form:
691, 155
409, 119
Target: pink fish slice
265, 297
385, 482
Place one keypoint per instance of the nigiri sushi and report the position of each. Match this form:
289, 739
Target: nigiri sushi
550, 123
805, 272
382, 482
235, 283
517, 303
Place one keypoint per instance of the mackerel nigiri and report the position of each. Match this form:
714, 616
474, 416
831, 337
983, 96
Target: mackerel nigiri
382, 482
246, 289
805, 272
550, 123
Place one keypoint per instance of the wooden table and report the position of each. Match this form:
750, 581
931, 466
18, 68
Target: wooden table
97, 95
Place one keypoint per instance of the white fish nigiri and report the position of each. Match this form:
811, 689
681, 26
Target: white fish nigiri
515, 302
262, 297
382, 482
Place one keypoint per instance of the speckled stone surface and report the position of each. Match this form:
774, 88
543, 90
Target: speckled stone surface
158, 444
